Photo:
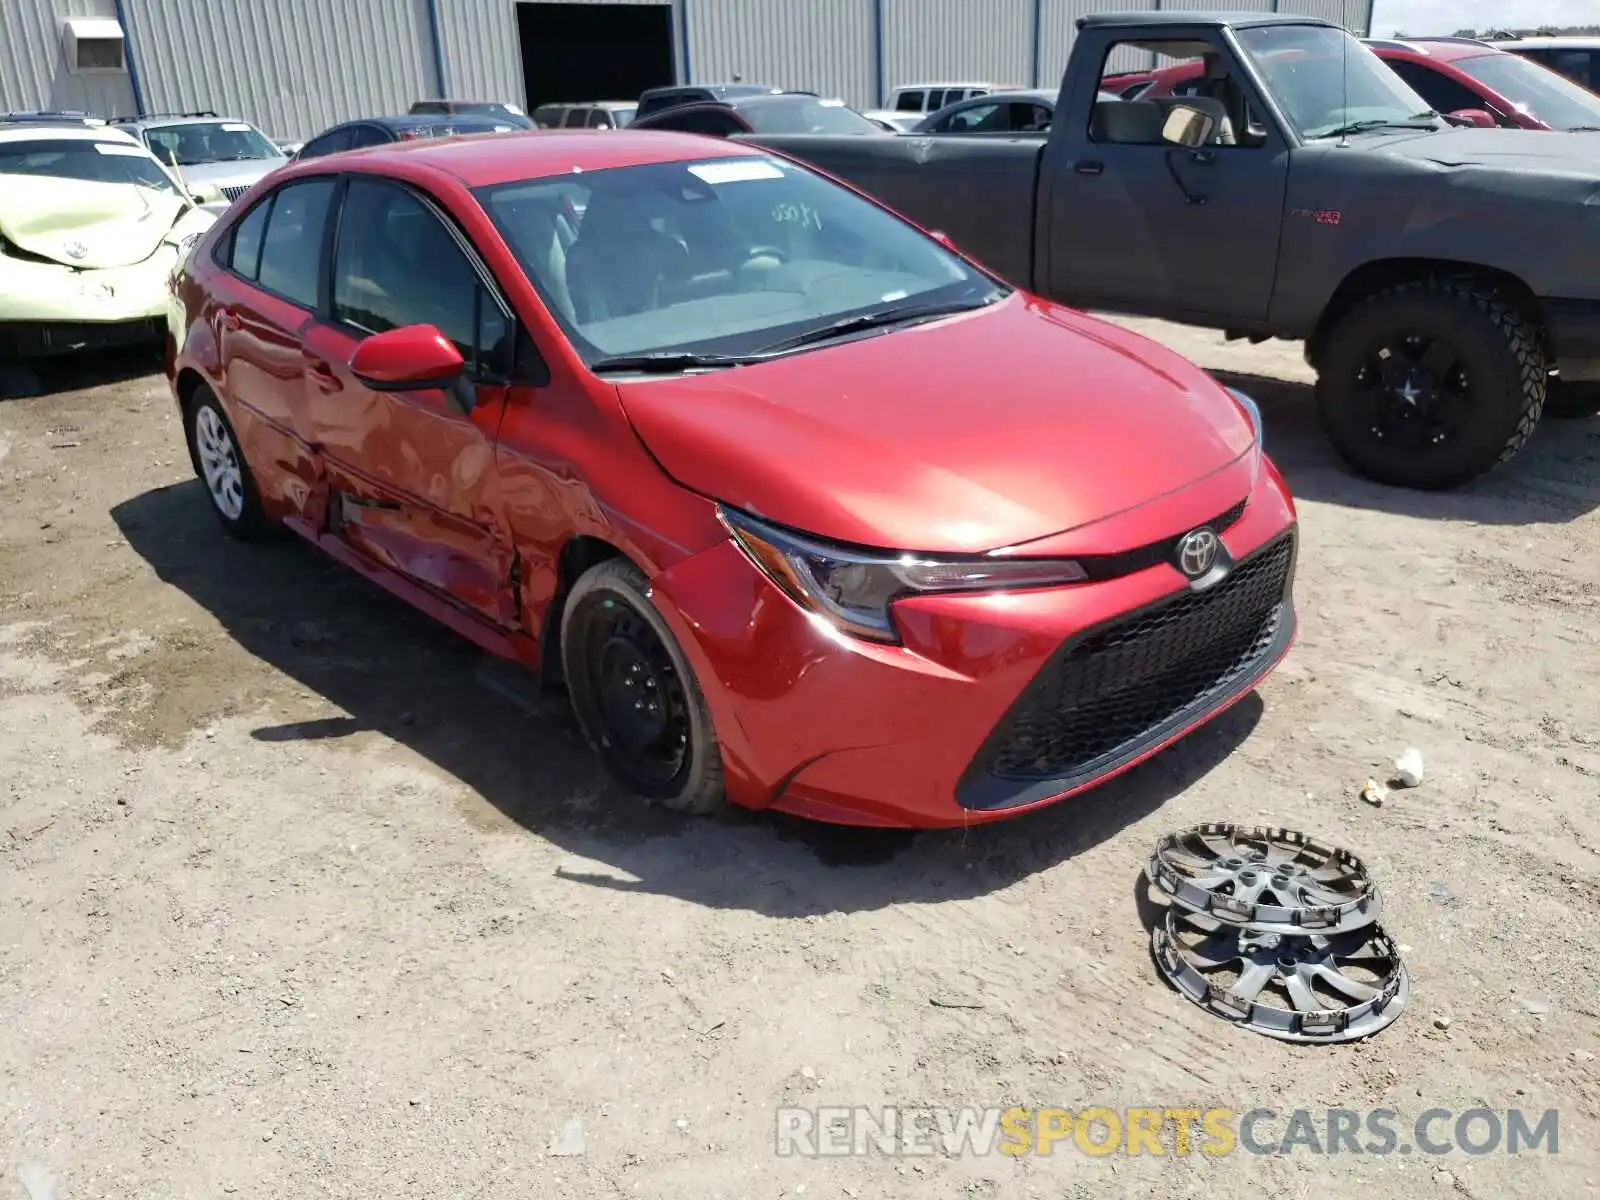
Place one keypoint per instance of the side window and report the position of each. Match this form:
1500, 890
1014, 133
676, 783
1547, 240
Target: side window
977, 118
291, 250
244, 256
599, 119
937, 100
328, 143
396, 264
908, 102
1195, 75
574, 119
1442, 93
366, 135
1028, 118
713, 122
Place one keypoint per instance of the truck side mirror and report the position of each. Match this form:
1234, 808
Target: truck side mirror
1186, 126
1478, 118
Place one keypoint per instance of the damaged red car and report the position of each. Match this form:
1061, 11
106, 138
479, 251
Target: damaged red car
806, 510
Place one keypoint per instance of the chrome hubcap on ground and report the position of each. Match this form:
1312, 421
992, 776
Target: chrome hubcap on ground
219, 463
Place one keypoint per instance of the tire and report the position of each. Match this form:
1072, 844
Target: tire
1490, 395
224, 474
1572, 401
609, 627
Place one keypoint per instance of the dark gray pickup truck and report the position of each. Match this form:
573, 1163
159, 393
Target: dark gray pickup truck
1444, 279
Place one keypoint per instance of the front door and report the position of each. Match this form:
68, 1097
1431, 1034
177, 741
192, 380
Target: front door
412, 477
1141, 223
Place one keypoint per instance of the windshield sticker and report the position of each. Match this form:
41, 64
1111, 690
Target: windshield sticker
115, 148
235, 127
830, 103
737, 171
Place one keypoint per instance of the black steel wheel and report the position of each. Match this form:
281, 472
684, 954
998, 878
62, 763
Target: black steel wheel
1430, 384
635, 695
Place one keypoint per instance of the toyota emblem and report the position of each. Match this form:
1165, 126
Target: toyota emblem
76, 250
1197, 552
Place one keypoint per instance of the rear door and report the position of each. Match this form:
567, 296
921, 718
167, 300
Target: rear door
258, 309
412, 478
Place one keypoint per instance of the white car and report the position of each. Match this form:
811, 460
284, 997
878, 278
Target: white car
207, 151
91, 227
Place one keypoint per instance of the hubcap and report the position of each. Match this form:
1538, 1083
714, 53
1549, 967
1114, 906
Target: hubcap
1413, 391
219, 463
639, 697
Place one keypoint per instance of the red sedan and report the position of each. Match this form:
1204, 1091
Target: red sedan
806, 510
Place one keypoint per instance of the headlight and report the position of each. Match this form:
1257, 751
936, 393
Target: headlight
853, 587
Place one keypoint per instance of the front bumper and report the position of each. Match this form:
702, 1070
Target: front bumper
49, 293
989, 708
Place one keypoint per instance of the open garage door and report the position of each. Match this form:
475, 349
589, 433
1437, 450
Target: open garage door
593, 51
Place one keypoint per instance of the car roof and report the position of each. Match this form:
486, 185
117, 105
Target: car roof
1206, 18
1442, 49
66, 131
420, 121
534, 154
946, 84
720, 90
1030, 94
1553, 42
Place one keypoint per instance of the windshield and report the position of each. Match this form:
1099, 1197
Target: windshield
805, 115
1326, 80
1535, 90
720, 257
97, 162
209, 142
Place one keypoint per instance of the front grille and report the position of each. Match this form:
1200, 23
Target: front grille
233, 193
1113, 692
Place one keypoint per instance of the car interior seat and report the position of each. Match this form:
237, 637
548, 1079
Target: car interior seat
620, 263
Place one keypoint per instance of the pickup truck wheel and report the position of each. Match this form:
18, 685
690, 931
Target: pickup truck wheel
1430, 384
634, 694
1572, 401
218, 460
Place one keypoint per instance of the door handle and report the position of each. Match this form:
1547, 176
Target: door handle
1089, 168
230, 320
324, 377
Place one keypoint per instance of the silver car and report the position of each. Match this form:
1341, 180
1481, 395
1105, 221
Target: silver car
207, 151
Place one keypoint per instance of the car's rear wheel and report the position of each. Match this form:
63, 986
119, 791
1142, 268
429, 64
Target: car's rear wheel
634, 693
221, 465
1430, 384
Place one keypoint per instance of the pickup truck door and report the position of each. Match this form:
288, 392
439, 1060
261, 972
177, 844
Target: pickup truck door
1138, 223
412, 478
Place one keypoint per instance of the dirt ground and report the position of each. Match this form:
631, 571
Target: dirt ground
299, 896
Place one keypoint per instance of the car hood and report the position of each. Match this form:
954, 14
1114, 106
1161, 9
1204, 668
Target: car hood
970, 433
231, 174
1515, 149
87, 225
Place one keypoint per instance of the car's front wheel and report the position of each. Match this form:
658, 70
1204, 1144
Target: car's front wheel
222, 468
634, 693
1430, 384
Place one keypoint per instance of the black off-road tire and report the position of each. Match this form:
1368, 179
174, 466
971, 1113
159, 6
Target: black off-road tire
1506, 372
250, 523
697, 786
1572, 401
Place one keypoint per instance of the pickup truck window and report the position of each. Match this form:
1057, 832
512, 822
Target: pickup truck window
722, 257
1193, 74
1327, 83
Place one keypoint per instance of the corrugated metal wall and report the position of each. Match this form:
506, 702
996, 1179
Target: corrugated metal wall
482, 56
294, 67
955, 40
824, 46
33, 67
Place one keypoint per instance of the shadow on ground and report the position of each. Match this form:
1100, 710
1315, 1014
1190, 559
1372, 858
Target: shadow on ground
76, 372
392, 670
1555, 479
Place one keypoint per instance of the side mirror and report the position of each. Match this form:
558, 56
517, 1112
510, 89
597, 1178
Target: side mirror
411, 358
205, 193
1186, 126
1478, 118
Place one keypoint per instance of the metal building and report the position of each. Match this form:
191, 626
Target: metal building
294, 67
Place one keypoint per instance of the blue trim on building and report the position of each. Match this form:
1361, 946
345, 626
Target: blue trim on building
1038, 40
877, 52
127, 57
438, 49
683, 34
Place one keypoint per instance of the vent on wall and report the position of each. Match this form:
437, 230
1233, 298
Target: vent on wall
93, 46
